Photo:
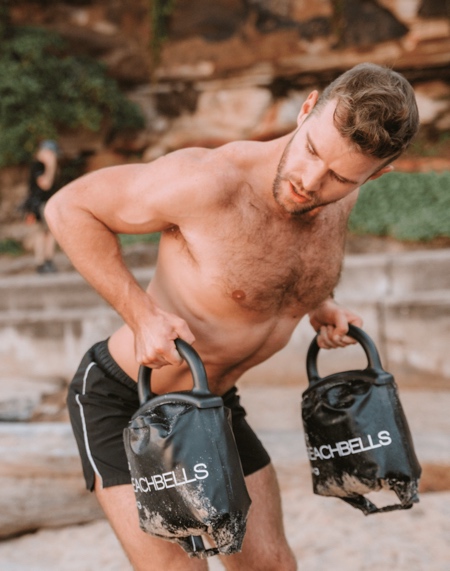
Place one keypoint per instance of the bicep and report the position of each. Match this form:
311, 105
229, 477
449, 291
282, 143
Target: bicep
144, 198
121, 198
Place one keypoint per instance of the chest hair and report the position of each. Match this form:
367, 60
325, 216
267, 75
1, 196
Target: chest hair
269, 263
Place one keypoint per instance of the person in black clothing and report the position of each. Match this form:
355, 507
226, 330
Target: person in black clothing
43, 183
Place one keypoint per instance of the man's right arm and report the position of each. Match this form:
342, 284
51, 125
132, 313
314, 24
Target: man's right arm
50, 161
85, 217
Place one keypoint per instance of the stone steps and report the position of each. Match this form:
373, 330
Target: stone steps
52, 292
48, 322
375, 276
368, 277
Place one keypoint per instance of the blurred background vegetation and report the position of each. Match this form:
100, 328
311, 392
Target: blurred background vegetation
405, 206
44, 89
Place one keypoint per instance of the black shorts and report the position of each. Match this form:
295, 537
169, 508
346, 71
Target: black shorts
101, 401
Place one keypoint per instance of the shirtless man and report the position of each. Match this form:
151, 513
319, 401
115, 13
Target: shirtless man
252, 240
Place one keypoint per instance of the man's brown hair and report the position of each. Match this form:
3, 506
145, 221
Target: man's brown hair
376, 110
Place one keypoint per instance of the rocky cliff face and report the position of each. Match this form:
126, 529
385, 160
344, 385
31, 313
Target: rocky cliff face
233, 69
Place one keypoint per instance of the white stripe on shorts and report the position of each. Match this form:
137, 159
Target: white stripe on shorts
83, 420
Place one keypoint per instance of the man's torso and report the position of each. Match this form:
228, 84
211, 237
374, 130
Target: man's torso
242, 276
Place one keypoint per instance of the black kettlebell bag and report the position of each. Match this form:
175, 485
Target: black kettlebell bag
357, 436
185, 469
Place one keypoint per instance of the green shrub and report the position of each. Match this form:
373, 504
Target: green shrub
43, 89
11, 247
405, 206
160, 12
130, 239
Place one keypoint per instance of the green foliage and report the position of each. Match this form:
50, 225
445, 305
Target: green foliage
130, 239
413, 207
160, 11
44, 89
11, 247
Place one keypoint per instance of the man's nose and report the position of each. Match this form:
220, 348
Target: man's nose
313, 178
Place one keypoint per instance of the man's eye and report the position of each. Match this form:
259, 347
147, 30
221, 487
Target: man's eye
337, 178
310, 150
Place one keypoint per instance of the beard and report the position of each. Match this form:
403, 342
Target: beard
290, 206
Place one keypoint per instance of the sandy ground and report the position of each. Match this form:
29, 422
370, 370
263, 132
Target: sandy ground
325, 533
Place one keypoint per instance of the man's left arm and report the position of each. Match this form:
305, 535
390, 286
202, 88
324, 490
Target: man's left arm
331, 321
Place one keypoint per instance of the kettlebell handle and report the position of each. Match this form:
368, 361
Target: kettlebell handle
373, 357
192, 358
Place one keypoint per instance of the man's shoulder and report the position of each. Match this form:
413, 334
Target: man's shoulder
233, 162
220, 166
229, 154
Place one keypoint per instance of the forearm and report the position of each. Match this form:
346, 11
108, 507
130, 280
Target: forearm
85, 218
95, 252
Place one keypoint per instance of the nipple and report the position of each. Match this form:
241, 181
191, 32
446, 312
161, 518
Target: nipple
238, 295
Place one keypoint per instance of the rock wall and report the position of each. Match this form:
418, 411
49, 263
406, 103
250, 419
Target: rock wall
239, 69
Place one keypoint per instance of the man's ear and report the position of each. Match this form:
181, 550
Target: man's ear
384, 170
308, 106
